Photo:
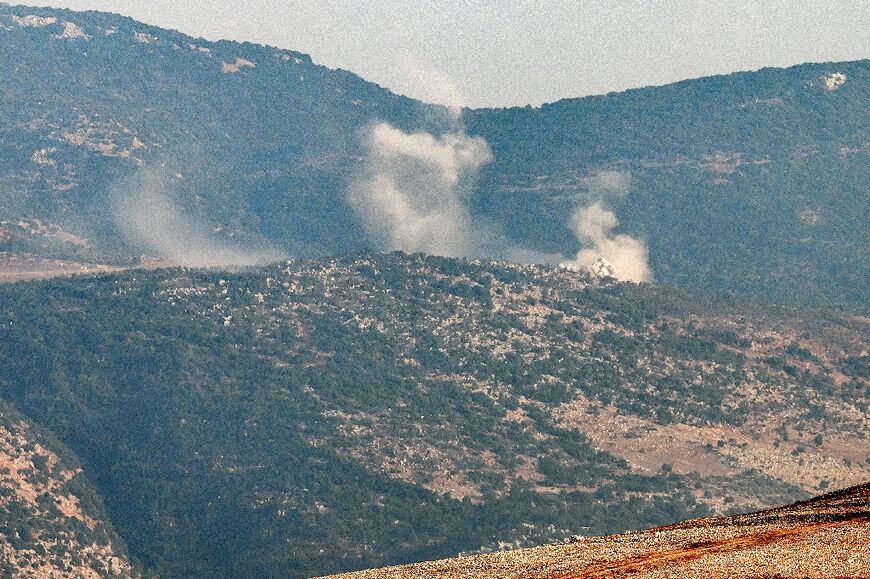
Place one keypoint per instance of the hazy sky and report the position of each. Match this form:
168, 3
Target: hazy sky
516, 52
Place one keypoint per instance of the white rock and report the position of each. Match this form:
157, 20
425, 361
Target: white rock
33, 21
72, 31
834, 81
144, 38
232, 68
602, 268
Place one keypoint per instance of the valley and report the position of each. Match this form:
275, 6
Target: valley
431, 405
260, 317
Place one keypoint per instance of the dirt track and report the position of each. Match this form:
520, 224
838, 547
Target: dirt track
677, 557
825, 537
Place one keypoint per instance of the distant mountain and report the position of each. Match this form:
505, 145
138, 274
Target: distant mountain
274, 134
328, 415
823, 537
752, 182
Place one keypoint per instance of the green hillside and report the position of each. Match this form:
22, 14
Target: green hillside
327, 415
753, 182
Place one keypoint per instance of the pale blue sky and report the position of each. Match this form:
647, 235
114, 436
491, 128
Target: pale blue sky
503, 52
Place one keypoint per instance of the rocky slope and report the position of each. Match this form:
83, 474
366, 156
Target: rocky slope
752, 182
828, 536
52, 522
336, 414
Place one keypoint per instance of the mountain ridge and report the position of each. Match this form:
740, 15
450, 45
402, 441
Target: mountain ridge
264, 155
309, 57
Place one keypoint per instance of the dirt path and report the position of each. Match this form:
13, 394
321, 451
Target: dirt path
674, 558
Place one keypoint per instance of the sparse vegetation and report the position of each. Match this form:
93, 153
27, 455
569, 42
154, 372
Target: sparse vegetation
51, 518
239, 423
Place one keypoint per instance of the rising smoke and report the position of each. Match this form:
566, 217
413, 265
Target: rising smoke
593, 226
413, 193
412, 196
431, 85
608, 184
149, 219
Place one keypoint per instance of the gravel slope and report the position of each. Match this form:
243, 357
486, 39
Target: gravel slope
828, 536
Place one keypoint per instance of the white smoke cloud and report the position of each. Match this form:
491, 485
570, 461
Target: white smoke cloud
593, 226
609, 183
412, 196
146, 215
429, 84
413, 193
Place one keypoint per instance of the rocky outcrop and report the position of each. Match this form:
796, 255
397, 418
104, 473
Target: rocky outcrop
51, 524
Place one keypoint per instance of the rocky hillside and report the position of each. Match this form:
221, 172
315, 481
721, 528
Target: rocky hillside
337, 414
824, 537
52, 522
752, 182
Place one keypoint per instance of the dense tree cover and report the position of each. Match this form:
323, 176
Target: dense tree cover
295, 419
204, 451
751, 182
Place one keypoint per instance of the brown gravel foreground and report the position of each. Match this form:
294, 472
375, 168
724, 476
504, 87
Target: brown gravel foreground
828, 536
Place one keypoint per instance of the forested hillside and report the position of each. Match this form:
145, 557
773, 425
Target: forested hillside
752, 182
326, 415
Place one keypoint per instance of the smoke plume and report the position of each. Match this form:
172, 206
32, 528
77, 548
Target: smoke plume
593, 226
412, 196
609, 184
431, 85
145, 213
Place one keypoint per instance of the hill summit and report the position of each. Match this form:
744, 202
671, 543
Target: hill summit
147, 142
